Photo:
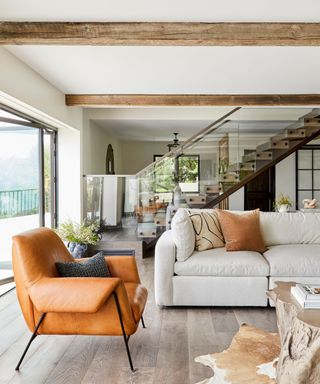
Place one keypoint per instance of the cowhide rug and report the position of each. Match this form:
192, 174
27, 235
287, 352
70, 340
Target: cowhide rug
250, 359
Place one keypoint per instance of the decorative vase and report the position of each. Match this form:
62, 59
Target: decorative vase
178, 196
283, 208
77, 250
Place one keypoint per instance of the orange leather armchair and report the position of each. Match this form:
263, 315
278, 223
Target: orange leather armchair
74, 306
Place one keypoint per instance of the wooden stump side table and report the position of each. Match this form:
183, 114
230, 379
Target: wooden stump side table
299, 331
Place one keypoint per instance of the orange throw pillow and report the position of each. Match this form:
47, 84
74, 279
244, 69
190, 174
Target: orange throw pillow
241, 231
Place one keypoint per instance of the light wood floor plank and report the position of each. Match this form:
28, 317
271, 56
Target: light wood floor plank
11, 333
264, 318
39, 364
173, 356
8, 299
201, 339
74, 363
163, 353
224, 320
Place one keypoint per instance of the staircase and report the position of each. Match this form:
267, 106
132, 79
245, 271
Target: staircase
157, 184
266, 155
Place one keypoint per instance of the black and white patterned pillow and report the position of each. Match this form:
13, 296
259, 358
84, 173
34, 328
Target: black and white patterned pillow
93, 267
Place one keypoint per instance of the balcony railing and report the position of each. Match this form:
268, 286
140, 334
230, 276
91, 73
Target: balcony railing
20, 202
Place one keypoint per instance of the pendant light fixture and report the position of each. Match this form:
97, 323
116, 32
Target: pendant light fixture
175, 143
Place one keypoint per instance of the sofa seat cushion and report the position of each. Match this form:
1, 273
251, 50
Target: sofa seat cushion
219, 262
294, 260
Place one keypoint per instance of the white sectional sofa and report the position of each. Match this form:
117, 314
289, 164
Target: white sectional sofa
216, 277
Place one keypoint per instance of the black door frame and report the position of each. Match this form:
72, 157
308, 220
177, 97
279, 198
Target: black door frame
43, 129
272, 188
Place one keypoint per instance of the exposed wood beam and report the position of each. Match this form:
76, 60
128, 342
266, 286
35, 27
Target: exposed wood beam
158, 33
192, 100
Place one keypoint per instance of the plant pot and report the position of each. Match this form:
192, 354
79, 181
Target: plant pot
283, 208
77, 250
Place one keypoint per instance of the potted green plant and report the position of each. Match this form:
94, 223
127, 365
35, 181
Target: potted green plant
283, 203
78, 236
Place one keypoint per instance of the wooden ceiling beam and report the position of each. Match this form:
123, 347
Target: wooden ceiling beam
159, 33
192, 100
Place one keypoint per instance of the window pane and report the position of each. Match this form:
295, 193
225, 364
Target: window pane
189, 173
305, 180
316, 195
164, 176
19, 185
305, 159
316, 179
303, 195
316, 159
48, 182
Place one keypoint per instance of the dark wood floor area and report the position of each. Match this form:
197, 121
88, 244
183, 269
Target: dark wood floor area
163, 353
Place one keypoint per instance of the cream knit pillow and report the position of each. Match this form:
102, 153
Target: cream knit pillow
183, 234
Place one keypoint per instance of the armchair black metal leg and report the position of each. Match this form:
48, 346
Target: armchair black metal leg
34, 335
142, 322
125, 337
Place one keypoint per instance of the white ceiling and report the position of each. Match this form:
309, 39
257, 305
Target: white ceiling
189, 70
169, 70
162, 130
164, 10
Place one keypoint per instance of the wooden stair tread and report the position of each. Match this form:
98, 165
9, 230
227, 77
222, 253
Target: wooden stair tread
312, 121
267, 155
236, 167
228, 177
270, 145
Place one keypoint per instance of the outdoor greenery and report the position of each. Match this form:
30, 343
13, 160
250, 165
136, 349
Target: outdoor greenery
84, 233
19, 177
165, 172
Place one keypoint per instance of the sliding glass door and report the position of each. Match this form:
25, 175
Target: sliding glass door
27, 181
49, 179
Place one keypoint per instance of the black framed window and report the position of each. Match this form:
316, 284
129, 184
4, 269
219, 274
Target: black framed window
28, 178
307, 174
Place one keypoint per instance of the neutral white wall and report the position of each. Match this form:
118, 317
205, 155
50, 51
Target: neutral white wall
23, 89
95, 142
69, 198
286, 178
24, 84
138, 154
236, 201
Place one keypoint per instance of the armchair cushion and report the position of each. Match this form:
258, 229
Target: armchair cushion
72, 294
92, 267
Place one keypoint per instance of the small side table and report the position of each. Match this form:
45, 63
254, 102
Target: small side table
299, 331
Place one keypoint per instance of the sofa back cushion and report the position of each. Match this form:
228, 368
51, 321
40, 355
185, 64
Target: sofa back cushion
290, 228
183, 234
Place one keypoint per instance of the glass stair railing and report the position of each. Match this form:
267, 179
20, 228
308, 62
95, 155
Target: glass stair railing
202, 172
214, 164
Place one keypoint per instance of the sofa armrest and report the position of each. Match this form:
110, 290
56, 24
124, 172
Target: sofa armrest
165, 257
72, 294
